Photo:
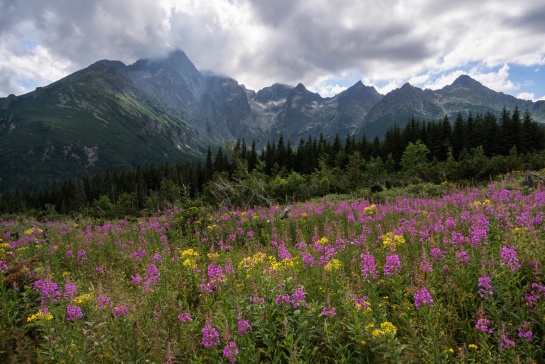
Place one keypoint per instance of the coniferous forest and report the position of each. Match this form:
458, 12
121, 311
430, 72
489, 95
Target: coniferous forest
464, 151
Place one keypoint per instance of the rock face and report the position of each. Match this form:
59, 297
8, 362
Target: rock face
110, 115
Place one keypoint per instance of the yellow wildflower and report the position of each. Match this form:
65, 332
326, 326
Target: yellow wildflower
323, 240
333, 265
188, 253
370, 210
213, 255
392, 239
388, 327
473, 346
40, 315
82, 298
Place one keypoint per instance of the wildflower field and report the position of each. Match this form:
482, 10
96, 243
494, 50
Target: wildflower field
450, 279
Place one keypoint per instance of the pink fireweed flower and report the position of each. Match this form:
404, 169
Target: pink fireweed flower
462, 257
485, 288
369, 266
82, 256
69, 254
3, 266
244, 327
283, 298
509, 258
121, 311
152, 276
423, 297
136, 279
73, 313
426, 267
392, 265
139, 254
298, 298
506, 342
308, 260
157, 258
257, 299
48, 289
524, 333
436, 254
483, 325
103, 301
184, 317
99, 269
70, 290
230, 351
329, 311
210, 337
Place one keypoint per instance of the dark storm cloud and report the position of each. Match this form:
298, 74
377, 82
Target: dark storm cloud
534, 20
259, 42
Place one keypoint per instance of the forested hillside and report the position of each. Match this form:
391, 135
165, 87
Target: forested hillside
466, 150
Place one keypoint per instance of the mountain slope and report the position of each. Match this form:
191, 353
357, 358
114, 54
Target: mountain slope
85, 123
110, 115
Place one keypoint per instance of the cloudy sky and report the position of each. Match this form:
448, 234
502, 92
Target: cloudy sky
326, 45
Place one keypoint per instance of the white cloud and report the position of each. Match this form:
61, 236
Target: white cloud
526, 96
259, 42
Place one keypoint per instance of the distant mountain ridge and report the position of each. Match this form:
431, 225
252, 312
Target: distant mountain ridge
112, 115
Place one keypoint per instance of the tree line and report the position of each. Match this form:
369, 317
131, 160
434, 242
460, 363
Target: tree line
468, 149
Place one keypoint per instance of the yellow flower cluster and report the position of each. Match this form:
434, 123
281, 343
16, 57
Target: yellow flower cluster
370, 210
188, 258
33, 230
392, 239
213, 256
485, 203
267, 262
3, 248
82, 298
518, 230
39, 316
333, 265
385, 329
323, 240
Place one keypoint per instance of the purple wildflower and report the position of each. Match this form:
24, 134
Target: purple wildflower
462, 257
524, 333
136, 279
426, 267
485, 288
82, 256
3, 266
392, 265
184, 317
70, 290
509, 258
230, 351
73, 313
102, 301
298, 298
244, 327
283, 298
257, 299
99, 269
121, 311
483, 325
329, 311
436, 254
369, 266
308, 260
423, 297
506, 342
152, 277
210, 337
69, 254
49, 290
157, 258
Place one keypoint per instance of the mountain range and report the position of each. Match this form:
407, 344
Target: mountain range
116, 116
